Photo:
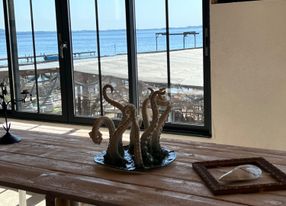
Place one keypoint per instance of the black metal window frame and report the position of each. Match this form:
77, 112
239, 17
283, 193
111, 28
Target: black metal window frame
186, 128
13, 65
64, 30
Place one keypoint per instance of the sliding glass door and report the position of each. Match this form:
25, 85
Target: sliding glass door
99, 55
186, 61
64, 52
170, 54
36, 59
151, 48
86, 82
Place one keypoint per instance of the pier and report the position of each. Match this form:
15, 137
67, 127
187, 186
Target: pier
184, 34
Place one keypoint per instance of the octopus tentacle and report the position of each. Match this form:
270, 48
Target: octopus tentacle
161, 101
113, 153
111, 101
95, 134
145, 117
161, 120
135, 140
157, 133
145, 151
147, 134
146, 123
115, 104
152, 126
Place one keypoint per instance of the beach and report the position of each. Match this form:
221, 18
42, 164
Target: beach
186, 67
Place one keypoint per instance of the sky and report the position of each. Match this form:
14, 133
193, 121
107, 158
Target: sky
149, 14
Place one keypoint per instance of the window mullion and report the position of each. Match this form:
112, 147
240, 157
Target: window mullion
168, 43
12, 50
132, 52
98, 56
35, 55
207, 65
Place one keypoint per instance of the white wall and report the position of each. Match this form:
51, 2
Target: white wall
248, 73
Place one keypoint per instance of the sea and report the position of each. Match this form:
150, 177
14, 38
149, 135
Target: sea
112, 42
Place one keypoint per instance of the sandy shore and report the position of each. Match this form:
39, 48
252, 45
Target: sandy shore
186, 67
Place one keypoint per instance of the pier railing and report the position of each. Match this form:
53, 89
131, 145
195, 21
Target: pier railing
43, 58
113, 50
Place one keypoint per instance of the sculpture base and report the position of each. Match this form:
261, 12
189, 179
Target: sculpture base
130, 165
9, 138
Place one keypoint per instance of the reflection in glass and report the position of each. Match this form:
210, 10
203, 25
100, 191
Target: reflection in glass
151, 46
113, 55
113, 49
186, 61
26, 71
38, 70
46, 44
85, 59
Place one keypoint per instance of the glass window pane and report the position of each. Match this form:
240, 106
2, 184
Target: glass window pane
26, 71
151, 46
113, 49
85, 59
186, 59
46, 44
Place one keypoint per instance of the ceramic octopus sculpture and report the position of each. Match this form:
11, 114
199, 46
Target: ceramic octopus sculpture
142, 152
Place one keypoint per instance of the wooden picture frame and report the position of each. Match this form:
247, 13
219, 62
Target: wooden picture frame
228, 1
218, 188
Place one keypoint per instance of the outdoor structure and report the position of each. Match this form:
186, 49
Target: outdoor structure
186, 94
184, 34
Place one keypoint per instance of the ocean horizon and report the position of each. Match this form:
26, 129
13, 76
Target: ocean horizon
162, 28
112, 42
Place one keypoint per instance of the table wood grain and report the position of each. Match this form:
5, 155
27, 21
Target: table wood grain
62, 166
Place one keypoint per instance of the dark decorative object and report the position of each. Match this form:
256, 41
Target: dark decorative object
143, 152
229, 1
130, 164
217, 188
9, 138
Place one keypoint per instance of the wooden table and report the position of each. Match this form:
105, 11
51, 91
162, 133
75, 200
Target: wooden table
61, 166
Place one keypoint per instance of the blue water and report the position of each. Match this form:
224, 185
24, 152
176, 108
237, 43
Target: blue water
112, 42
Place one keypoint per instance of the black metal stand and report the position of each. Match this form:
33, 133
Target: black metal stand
9, 138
